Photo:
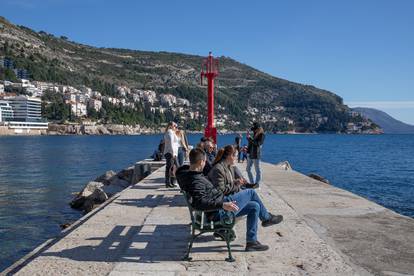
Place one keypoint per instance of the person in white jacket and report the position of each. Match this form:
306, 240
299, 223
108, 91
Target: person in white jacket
170, 153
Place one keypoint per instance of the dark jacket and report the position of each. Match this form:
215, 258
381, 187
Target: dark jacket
223, 177
210, 156
254, 148
204, 196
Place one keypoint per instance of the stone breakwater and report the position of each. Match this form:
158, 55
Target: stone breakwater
144, 230
111, 183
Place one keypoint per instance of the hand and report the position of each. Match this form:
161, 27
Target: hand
240, 182
230, 206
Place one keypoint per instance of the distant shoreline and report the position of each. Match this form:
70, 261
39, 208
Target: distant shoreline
126, 130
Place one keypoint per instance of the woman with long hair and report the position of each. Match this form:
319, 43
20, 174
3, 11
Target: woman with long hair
223, 174
183, 147
170, 153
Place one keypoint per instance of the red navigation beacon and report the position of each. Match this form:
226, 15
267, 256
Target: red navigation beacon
209, 69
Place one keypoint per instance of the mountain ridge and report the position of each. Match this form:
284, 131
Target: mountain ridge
244, 94
388, 123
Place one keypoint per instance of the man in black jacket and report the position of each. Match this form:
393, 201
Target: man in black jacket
205, 197
254, 150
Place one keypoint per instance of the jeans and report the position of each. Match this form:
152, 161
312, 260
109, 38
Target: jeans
181, 156
256, 163
170, 161
249, 204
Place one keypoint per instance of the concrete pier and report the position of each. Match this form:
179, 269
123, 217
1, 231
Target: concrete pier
145, 229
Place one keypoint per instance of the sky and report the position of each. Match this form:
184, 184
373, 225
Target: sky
361, 50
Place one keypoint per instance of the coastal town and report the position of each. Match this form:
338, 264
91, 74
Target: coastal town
22, 105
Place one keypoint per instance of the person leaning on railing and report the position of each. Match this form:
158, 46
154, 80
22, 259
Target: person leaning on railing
206, 197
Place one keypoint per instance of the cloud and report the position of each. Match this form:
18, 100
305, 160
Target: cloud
383, 104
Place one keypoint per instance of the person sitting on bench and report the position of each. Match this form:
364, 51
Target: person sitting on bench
223, 174
205, 197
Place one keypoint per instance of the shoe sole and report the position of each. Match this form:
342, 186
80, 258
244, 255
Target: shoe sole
274, 223
256, 250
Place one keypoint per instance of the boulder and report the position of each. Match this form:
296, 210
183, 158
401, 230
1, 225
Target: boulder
98, 196
110, 190
77, 202
91, 195
88, 205
90, 188
126, 174
116, 181
319, 178
284, 165
106, 178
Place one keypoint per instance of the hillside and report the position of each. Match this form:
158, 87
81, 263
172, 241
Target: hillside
385, 121
243, 95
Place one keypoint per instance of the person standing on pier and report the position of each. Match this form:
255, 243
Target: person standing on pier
170, 153
237, 144
210, 150
254, 151
183, 147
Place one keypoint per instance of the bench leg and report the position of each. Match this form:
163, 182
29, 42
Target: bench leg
187, 255
228, 236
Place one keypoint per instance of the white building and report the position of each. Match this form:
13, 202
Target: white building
95, 104
183, 102
96, 95
123, 90
6, 111
33, 90
25, 83
78, 109
168, 99
1, 88
70, 98
86, 90
81, 98
26, 109
147, 95
136, 97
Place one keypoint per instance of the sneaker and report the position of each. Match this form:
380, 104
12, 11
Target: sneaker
256, 246
274, 219
251, 186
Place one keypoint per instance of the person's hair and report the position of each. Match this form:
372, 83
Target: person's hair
196, 155
180, 133
223, 153
203, 139
200, 145
259, 131
169, 126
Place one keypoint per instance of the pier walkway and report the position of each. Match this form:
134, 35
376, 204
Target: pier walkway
145, 230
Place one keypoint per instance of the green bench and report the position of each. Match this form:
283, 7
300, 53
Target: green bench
200, 224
